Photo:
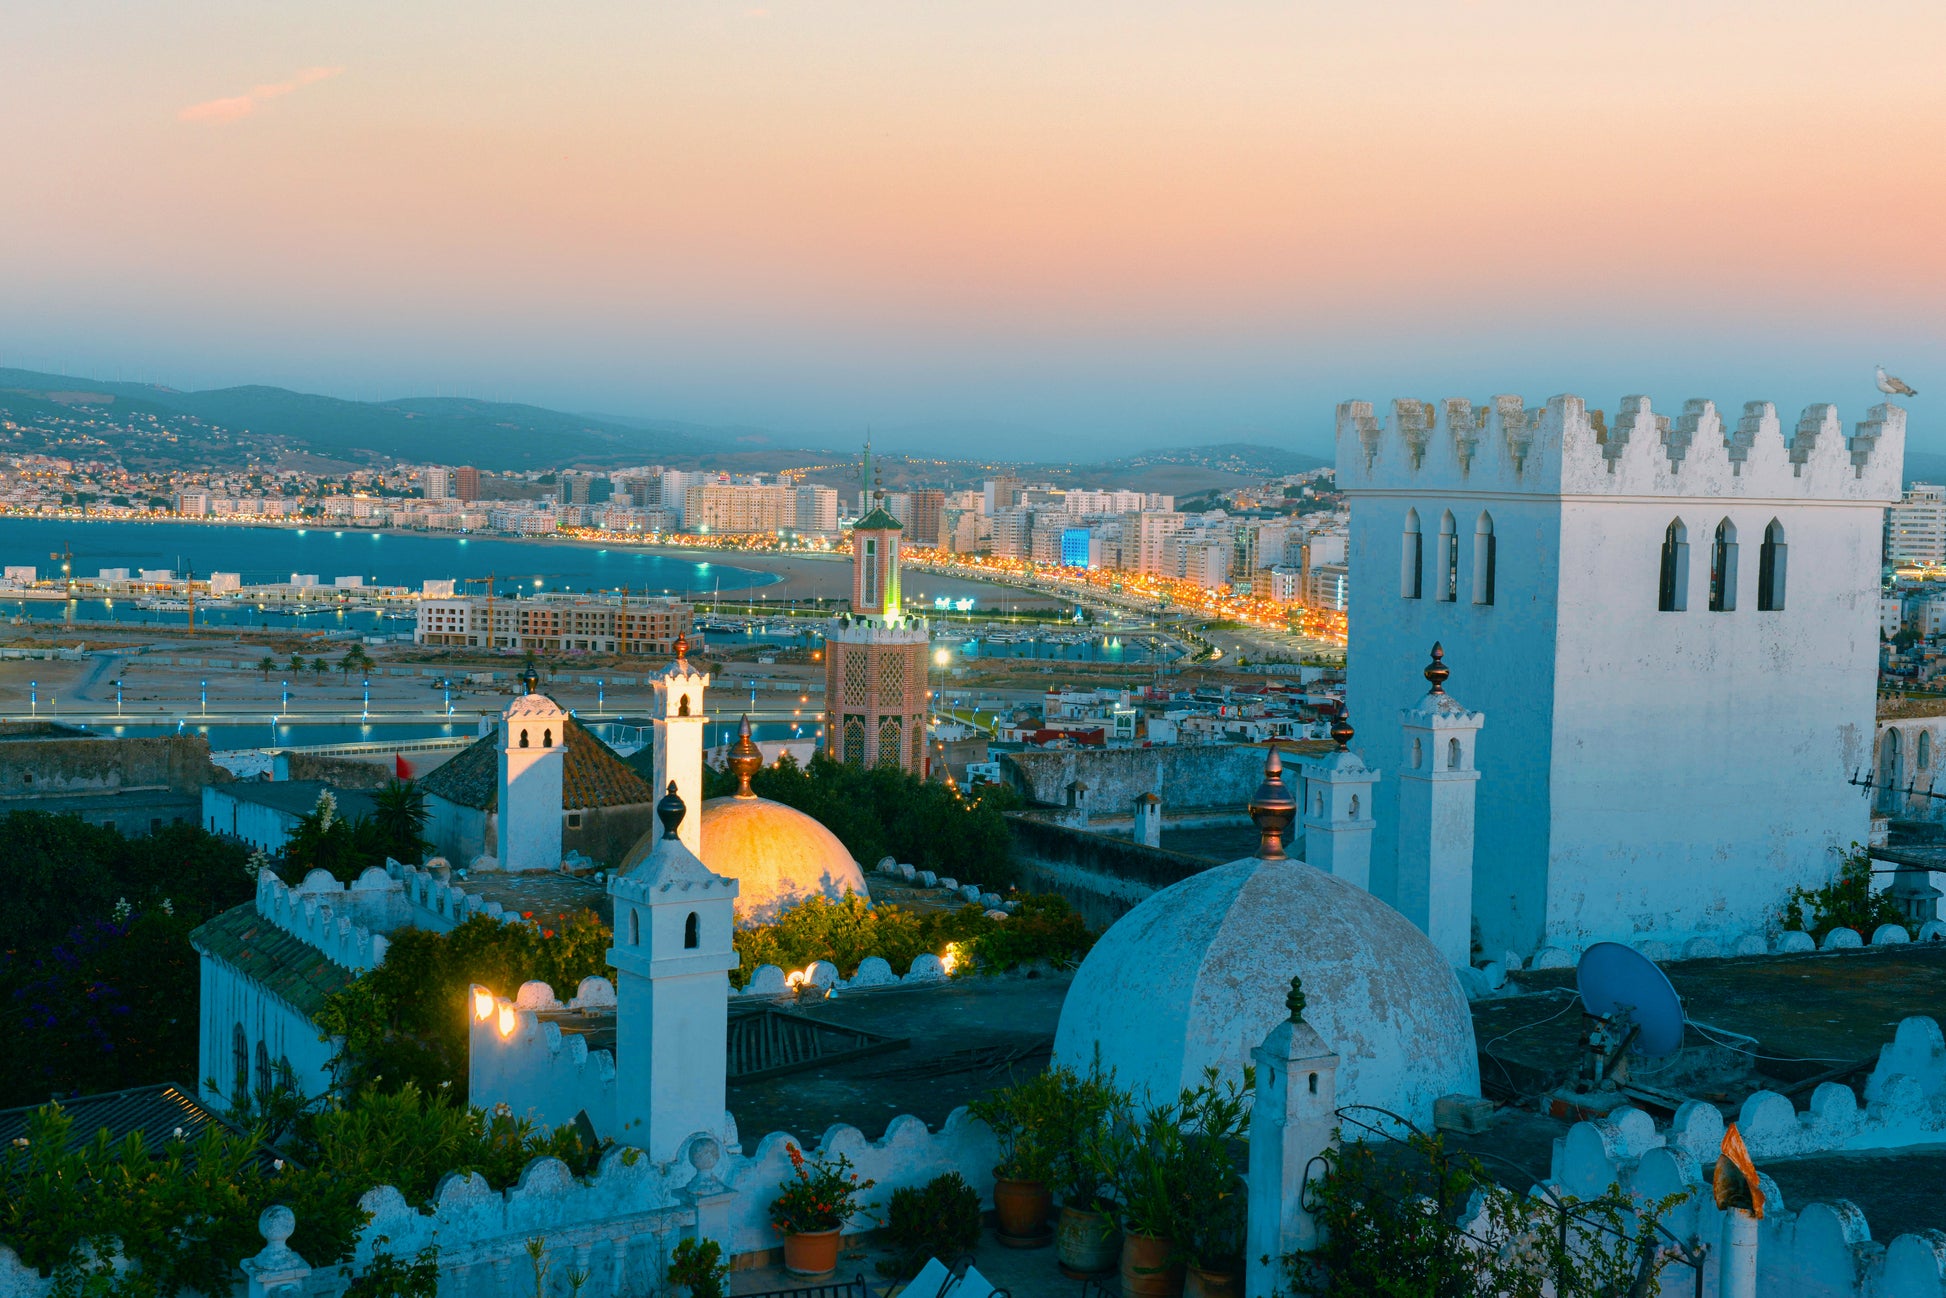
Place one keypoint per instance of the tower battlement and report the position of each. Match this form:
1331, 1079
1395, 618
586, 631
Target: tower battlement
1565, 448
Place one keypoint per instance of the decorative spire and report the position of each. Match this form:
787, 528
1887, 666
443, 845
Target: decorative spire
682, 647
670, 811
1342, 732
1295, 999
1437, 671
531, 681
1273, 809
745, 759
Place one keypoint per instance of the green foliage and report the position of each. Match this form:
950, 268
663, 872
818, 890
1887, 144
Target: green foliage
405, 1022
98, 983
1157, 1159
878, 813
325, 840
700, 1268
939, 1219
399, 819
1028, 1118
185, 1213
1086, 1103
845, 932
820, 1194
1390, 1229
389, 1276
1846, 902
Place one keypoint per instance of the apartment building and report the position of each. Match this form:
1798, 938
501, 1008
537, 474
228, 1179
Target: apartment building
1915, 528
547, 624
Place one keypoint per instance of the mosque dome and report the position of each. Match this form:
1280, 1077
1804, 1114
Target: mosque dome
778, 855
1197, 974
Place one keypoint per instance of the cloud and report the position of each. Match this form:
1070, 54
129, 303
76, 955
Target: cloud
231, 108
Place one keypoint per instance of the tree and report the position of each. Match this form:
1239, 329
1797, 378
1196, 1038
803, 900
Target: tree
319, 666
297, 664
266, 665
399, 816
348, 664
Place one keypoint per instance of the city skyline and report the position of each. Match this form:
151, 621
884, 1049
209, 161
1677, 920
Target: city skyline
1170, 228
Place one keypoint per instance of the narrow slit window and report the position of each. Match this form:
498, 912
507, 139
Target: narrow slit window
1723, 568
1412, 557
1673, 596
1483, 559
1448, 559
1771, 569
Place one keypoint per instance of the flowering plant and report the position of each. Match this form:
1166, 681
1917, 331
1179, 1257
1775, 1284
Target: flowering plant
820, 1194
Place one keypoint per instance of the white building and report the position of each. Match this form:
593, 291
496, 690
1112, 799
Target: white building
1915, 528
439, 482
1644, 593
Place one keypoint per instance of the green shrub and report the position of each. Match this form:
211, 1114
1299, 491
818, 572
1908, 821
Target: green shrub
1846, 902
939, 1219
700, 1267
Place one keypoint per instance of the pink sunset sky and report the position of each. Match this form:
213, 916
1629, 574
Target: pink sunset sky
982, 224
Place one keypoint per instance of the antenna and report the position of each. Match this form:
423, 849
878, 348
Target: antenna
1629, 1010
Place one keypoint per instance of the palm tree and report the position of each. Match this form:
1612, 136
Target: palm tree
267, 665
297, 664
399, 812
319, 666
348, 664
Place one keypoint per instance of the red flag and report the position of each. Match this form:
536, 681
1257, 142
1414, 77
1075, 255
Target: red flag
400, 767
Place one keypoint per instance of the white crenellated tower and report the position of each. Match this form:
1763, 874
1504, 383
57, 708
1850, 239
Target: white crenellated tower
1436, 793
678, 738
533, 753
1337, 811
673, 953
1677, 622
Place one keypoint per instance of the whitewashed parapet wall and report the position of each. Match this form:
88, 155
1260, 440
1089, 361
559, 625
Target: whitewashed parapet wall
1788, 942
620, 1224
348, 922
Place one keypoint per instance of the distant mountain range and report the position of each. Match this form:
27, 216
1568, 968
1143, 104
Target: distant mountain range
152, 426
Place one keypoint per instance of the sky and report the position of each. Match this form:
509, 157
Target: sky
982, 226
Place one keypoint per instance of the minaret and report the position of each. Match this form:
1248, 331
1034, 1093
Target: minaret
1436, 790
672, 956
1337, 810
533, 752
1294, 1120
678, 722
875, 660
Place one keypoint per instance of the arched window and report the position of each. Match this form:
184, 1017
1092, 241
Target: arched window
692, 932
523, 738
1448, 558
682, 709
263, 1069
1770, 569
1922, 751
239, 1065
1353, 807
1889, 774
1483, 557
1723, 568
547, 738
1673, 594
634, 927
1452, 754
1412, 557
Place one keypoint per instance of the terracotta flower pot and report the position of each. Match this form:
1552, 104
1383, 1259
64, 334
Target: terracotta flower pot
812, 1254
1021, 1209
1147, 1271
1087, 1243
1198, 1283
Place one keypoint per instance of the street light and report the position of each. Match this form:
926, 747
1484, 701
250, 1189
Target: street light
286, 705
205, 698
601, 694
34, 697
118, 697
366, 715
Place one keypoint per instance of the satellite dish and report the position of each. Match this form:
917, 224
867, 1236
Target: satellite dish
1619, 982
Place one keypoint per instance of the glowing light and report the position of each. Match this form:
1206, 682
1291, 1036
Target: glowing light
507, 1020
482, 1003
949, 958
942, 657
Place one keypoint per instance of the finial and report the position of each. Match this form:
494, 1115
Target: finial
1273, 809
1295, 999
1341, 731
531, 679
745, 759
670, 811
682, 646
1437, 671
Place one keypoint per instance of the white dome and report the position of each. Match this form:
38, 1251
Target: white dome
777, 854
1197, 974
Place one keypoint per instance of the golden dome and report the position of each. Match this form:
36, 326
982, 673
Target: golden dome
778, 855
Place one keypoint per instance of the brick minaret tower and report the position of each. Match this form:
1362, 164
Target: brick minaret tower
875, 660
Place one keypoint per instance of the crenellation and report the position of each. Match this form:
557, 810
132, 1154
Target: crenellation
1564, 447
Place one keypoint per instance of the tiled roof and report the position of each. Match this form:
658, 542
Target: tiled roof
281, 964
592, 775
158, 1112
878, 521
297, 797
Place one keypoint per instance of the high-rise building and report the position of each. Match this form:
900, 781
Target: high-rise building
1915, 528
1003, 493
816, 510
739, 507
439, 482
875, 661
466, 481
922, 521
1145, 544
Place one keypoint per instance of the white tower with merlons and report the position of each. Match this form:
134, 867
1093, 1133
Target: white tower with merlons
1294, 1120
673, 953
678, 738
1436, 794
1337, 810
533, 754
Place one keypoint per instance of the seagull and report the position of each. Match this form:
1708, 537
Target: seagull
1892, 385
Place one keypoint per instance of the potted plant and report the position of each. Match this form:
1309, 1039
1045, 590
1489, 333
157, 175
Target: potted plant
1216, 1120
1024, 1117
699, 1269
811, 1208
1086, 1240
941, 1220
